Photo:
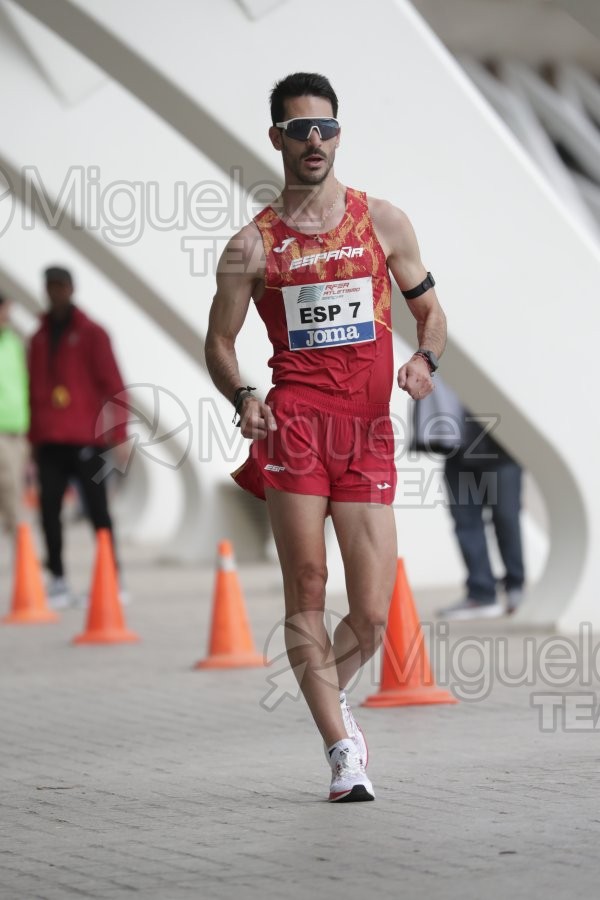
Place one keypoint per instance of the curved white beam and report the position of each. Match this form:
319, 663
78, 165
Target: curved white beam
141, 292
71, 74
563, 120
518, 114
582, 86
107, 48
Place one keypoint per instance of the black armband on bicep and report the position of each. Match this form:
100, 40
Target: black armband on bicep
420, 288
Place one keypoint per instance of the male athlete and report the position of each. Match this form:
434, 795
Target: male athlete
317, 266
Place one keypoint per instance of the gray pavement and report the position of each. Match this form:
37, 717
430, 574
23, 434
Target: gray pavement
123, 771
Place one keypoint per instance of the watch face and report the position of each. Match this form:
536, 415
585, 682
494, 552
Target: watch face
433, 360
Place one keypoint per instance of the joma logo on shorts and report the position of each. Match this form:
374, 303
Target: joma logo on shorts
343, 253
332, 335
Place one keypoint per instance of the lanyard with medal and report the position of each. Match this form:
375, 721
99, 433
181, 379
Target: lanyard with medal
61, 397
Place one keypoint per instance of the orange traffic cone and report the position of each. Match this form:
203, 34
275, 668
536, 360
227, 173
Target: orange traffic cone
105, 622
29, 604
406, 677
231, 645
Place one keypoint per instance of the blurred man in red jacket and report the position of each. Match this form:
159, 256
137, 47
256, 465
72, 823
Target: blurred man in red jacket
73, 373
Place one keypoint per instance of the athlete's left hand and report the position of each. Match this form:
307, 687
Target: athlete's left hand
415, 378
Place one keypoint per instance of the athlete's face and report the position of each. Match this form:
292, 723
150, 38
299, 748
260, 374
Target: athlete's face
310, 161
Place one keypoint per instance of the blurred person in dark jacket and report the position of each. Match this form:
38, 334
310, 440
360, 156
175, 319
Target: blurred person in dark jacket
14, 420
480, 475
73, 373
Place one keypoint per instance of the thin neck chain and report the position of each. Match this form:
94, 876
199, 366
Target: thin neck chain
325, 215
328, 212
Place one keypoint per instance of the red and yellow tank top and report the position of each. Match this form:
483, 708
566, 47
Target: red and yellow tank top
326, 305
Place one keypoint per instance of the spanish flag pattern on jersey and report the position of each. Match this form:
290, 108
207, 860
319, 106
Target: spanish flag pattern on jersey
326, 305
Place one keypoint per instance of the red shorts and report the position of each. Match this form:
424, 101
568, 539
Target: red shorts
323, 445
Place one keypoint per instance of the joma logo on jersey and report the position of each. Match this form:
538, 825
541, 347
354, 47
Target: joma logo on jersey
343, 253
339, 335
284, 245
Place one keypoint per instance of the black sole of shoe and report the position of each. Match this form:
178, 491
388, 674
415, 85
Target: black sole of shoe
358, 794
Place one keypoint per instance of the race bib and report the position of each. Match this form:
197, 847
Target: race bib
329, 313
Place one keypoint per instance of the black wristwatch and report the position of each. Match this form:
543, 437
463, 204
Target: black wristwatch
430, 358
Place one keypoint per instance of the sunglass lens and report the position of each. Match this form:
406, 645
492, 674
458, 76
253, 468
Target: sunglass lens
328, 128
300, 129
297, 129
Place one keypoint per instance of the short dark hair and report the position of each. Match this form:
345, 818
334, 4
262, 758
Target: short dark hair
58, 274
300, 84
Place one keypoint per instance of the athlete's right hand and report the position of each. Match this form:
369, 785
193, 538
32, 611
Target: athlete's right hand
256, 419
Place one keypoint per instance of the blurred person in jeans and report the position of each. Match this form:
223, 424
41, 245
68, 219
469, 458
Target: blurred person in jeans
73, 373
14, 420
480, 475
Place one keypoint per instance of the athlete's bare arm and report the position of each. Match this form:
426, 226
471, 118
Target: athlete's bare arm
240, 275
399, 242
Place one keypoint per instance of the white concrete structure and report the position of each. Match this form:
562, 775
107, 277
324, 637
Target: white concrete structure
185, 100
535, 32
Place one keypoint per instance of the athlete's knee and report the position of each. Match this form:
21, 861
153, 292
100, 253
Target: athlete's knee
369, 625
305, 589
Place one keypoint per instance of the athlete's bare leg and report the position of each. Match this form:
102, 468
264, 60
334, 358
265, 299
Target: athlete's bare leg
298, 522
367, 537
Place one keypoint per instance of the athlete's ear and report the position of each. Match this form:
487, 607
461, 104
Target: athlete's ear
337, 143
276, 137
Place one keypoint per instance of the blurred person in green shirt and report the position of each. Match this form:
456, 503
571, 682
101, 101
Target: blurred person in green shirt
14, 420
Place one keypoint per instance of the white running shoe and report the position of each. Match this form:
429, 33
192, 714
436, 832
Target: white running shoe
514, 599
353, 730
59, 594
349, 781
471, 609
